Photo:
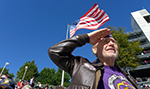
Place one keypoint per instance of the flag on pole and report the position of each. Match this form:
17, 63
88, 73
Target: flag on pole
92, 20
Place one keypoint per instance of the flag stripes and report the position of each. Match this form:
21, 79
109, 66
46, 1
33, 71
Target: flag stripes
92, 20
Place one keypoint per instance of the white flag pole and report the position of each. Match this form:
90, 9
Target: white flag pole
67, 31
62, 79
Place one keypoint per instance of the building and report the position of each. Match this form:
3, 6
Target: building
140, 23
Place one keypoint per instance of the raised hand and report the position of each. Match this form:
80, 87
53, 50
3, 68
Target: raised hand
96, 35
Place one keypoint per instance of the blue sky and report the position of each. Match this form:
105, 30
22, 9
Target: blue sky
29, 27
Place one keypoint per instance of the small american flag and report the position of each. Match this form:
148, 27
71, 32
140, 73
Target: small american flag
92, 20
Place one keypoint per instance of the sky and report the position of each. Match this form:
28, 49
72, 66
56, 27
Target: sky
29, 27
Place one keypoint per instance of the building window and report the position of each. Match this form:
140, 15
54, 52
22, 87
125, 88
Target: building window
147, 18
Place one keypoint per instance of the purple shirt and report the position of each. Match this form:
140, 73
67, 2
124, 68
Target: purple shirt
112, 78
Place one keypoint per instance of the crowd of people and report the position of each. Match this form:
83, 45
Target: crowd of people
138, 79
6, 82
21, 84
144, 85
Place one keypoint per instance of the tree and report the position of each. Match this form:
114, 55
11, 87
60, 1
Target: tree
31, 72
127, 51
50, 76
59, 77
6, 71
47, 75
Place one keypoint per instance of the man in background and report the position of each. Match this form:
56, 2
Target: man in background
7, 83
32, 82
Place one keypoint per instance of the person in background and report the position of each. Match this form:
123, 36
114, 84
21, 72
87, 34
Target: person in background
102, 73
32, 82
27, 87
26, 83
3, 76
18, 84
40, 84
41, 87
145, 62
59, 87
51, 87
21, 84
46, 86
7, 83
37, 86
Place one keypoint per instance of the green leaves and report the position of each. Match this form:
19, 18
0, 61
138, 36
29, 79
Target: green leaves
6, 71
127, 51
32, 71
46, 76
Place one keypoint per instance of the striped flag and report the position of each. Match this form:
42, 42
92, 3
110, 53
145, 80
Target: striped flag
92, 20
